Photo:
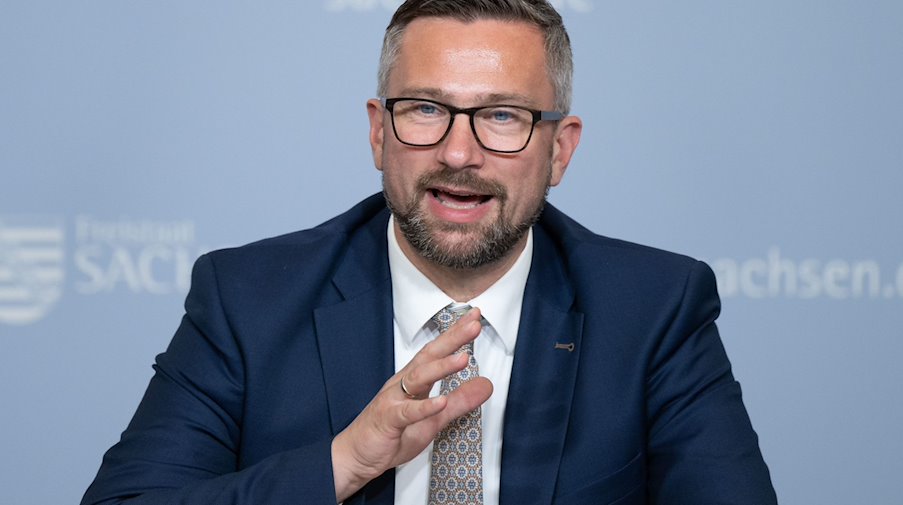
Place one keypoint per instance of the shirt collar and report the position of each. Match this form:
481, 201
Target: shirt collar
415, 299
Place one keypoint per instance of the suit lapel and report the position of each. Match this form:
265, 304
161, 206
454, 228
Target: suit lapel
542, 380
355, 339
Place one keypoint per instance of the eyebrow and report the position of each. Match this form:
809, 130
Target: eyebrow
481, 99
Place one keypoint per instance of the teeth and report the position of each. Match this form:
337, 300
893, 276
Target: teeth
456, 205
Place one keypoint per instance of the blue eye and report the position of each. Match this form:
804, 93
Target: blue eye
501, 115
427, 108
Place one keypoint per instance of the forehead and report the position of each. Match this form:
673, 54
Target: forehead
469, 60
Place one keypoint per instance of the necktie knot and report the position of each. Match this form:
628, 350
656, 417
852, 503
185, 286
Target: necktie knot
449, 314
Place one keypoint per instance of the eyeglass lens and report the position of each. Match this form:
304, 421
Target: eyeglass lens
425, 123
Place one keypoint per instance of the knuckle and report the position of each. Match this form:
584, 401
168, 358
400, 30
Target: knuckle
405, 413
429, 348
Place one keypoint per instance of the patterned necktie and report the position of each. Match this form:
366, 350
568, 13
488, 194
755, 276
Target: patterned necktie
456, 465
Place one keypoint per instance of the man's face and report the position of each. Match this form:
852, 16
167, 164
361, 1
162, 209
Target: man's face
457, 204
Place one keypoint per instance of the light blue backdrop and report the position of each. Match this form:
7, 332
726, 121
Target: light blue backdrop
765, 137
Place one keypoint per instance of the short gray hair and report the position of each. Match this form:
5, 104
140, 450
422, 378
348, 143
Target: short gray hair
559, 60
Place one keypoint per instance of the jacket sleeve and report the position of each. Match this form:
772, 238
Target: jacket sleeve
183, 444
702, 448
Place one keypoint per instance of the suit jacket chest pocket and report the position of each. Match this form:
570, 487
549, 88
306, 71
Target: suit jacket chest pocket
626, 486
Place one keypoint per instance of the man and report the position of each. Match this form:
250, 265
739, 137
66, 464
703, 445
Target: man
307, 367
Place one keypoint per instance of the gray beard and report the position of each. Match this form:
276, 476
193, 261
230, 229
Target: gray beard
493, 241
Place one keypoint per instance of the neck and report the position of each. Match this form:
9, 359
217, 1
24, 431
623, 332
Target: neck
461, 284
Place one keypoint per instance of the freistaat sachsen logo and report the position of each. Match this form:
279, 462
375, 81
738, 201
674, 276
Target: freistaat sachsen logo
31, 267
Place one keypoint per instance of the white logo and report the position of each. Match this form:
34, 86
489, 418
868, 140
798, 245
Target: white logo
140, 255
31, 268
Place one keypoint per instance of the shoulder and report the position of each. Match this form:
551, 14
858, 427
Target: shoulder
600, 264
322, 240
302, 258
577, 243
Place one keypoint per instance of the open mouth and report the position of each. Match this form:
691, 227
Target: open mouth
459, 200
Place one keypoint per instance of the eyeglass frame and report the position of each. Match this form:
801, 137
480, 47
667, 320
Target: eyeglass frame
538, 115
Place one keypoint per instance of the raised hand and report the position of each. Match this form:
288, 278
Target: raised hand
400, 422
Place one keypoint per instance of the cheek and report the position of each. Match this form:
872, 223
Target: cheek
392, 181
397, 179
533, 181
405, 166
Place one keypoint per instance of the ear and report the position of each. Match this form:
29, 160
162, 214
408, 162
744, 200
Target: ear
567, 136
375, 111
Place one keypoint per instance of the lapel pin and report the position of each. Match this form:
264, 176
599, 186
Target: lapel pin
565, 347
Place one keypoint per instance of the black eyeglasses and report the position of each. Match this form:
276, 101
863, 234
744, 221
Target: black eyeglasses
499, 128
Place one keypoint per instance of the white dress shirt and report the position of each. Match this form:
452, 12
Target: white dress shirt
415, 300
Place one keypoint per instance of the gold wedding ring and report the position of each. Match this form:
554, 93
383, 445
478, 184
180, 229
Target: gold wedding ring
404, 390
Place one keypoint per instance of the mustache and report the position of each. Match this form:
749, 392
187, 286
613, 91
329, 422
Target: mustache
465, 179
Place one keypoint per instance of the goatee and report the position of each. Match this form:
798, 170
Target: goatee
480, 244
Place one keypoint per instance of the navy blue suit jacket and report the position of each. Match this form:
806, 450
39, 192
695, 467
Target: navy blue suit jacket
284, 341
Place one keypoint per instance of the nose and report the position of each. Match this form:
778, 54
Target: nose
460, 148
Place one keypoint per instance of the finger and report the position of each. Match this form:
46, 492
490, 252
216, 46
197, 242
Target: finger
466, 329
433, 357
418, 380
466, 398
409, 412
